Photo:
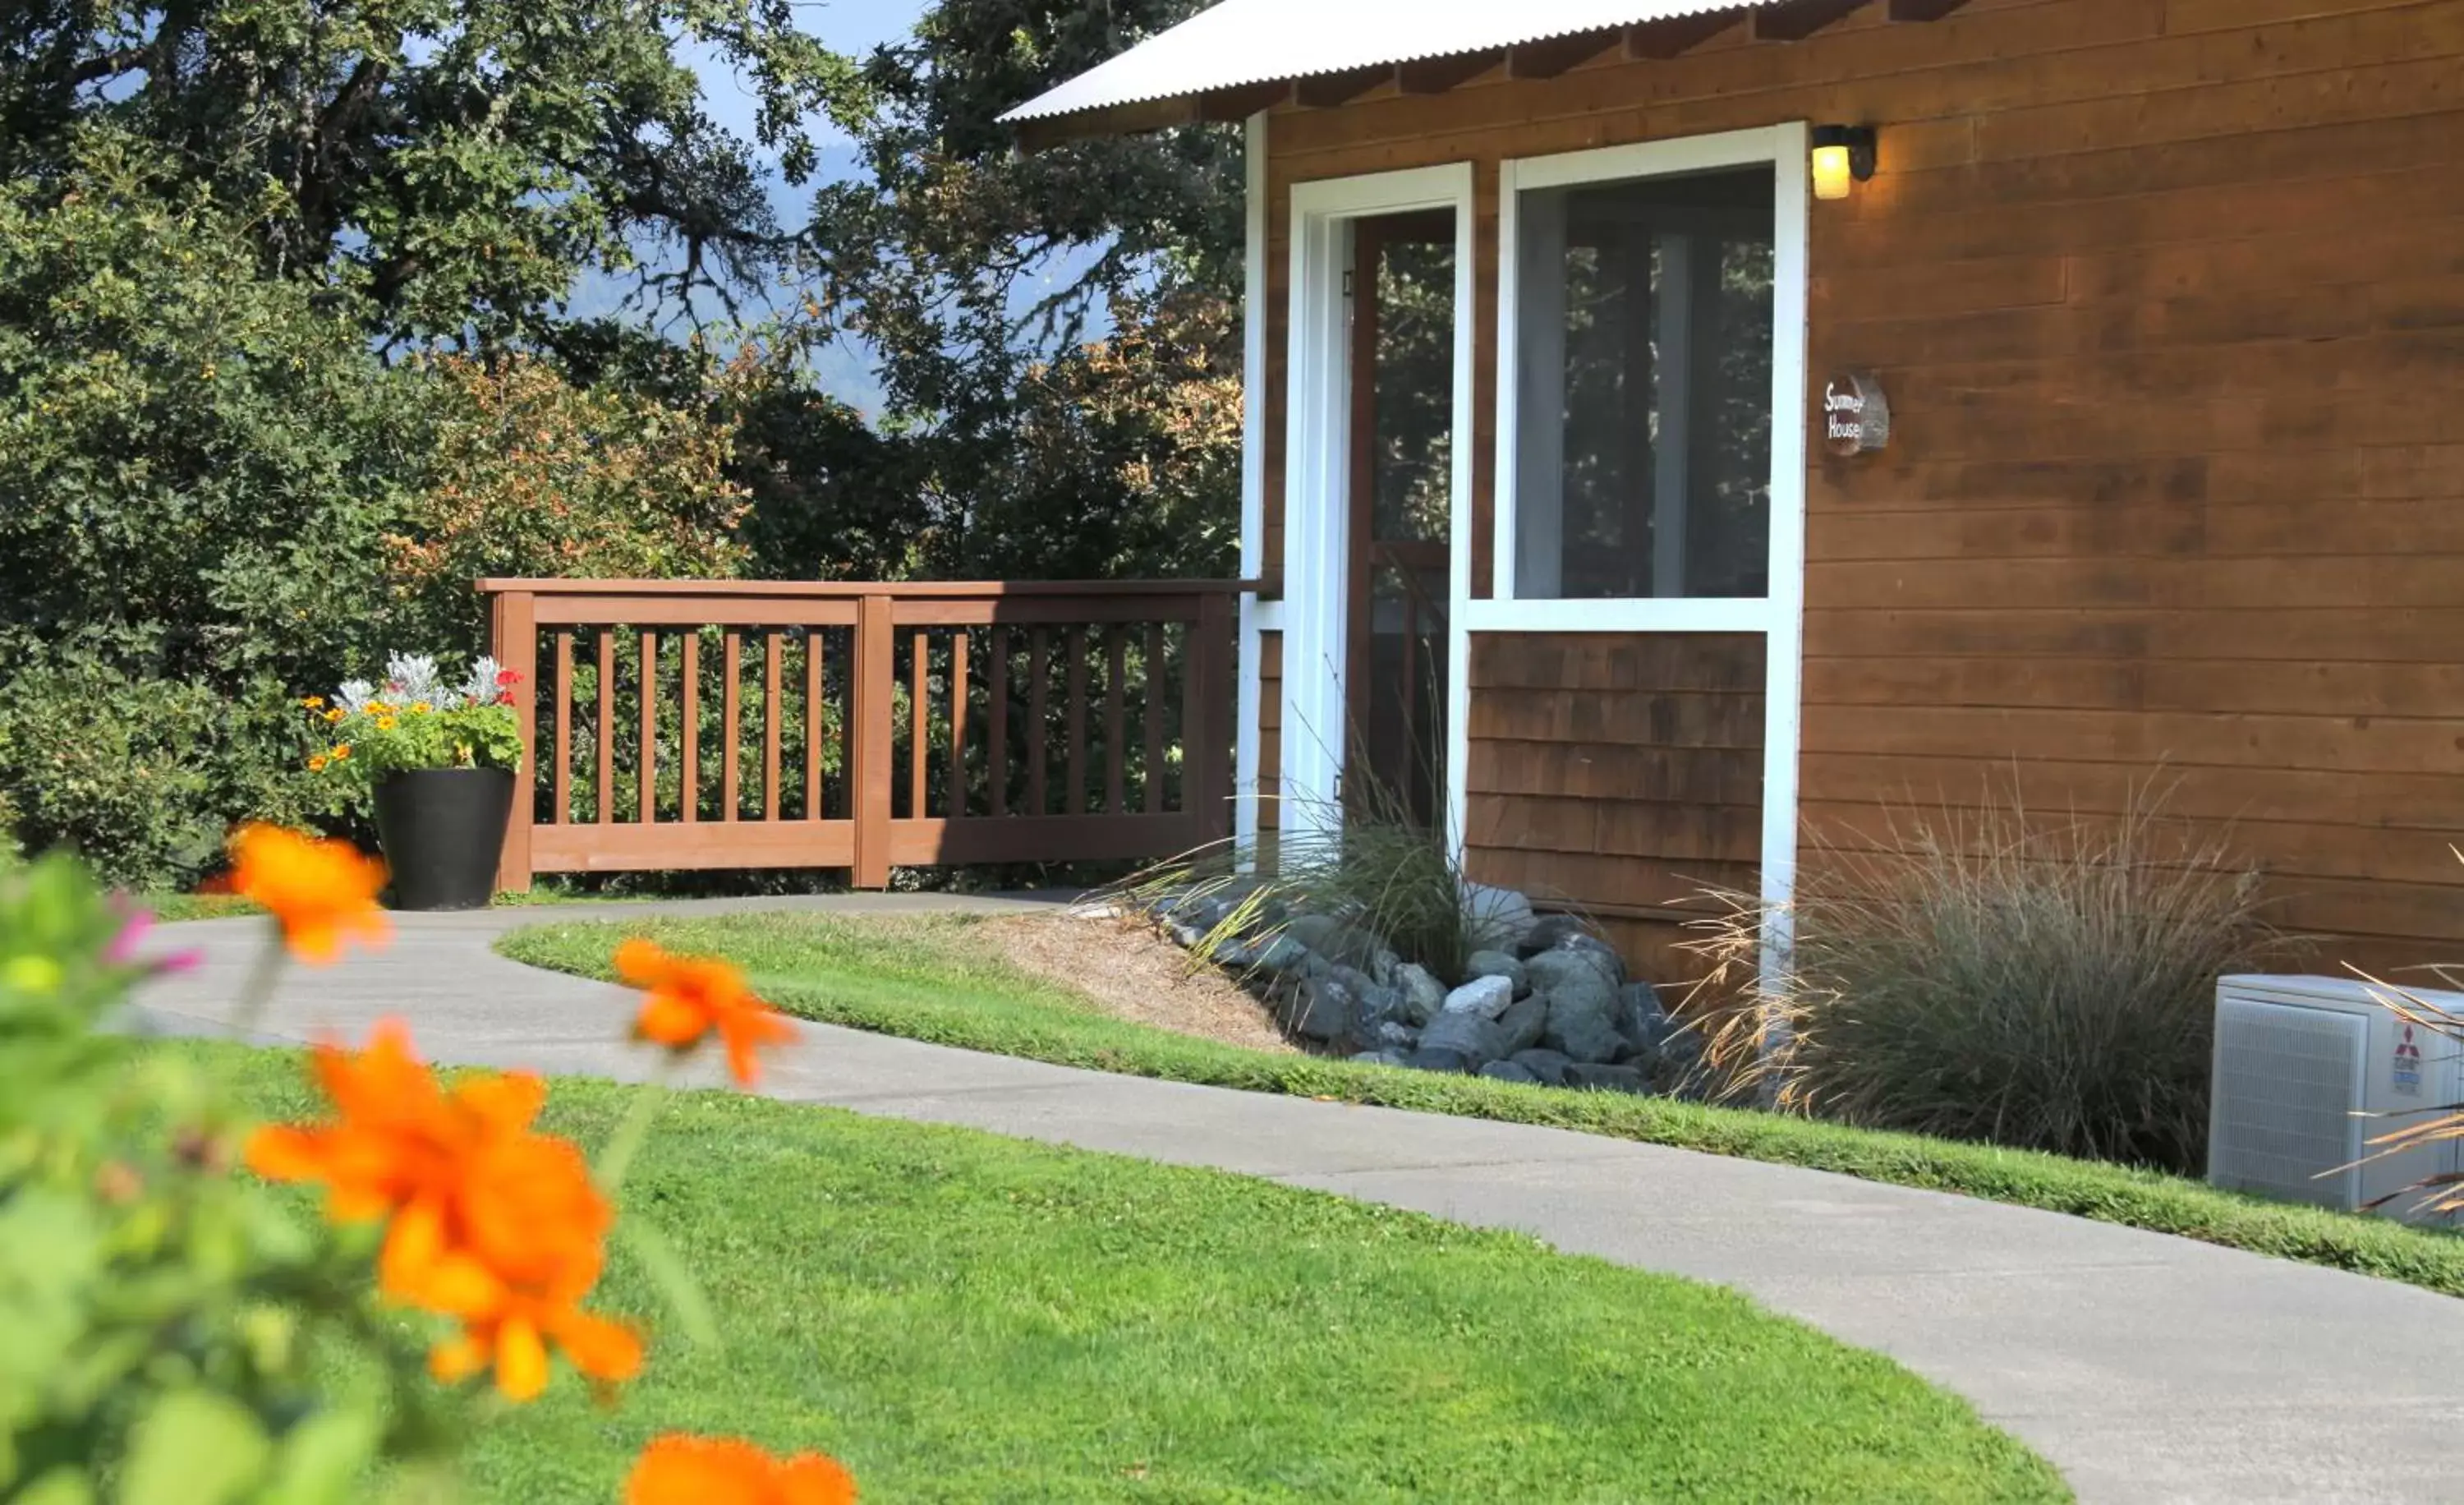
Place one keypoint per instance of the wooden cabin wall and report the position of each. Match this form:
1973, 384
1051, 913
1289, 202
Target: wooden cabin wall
2168, 298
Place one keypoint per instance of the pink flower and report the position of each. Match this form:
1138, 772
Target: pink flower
135, 925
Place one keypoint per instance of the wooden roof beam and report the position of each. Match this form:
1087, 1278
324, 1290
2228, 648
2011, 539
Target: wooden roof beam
1673, 37
1795, 20
1326, 90
1438, 75
1922, 9
1552, 55
1242, 100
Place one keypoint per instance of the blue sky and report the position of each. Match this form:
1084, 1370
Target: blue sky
855, 27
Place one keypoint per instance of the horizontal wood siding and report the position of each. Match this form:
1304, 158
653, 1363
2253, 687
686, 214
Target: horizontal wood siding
2168, 298
1620, 775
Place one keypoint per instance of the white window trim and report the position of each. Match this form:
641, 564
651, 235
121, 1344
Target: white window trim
1317, 471
1780, 615
1253, 495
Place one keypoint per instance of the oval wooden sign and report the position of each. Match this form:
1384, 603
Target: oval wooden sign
1856, 415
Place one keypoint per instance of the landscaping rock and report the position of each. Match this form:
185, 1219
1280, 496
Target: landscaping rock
1321, 1009
1498, 964
1548, 968
1283, 953
1485, 996
1582, 1026
1399, 1038
1677, 1069
1317, 932
1605, 1078
1423, 995
1547, 1066
1381, 1058
1185, 934
1431, 1060
1495, 918
1549, 931
1473, 1037
1507, 1072
1234, 955
1641, 1017
1383, 966
1523, 1025
1372, 1007
1575, 981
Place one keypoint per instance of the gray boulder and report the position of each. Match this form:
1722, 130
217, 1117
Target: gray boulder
1384, 965
1555, 972
1185, 934
1380, 1058
1523, 1025
1321, 1008
1641, 1017
1485, 996
1605, 1078
1317, 932
1398, 1037
1549, 931
1280, 954
1497, 963
1677, 1069
1476, 1038
1428, 1058
1548, 1067
1507, 1072
1582, 1026
1423, 995
1495, 918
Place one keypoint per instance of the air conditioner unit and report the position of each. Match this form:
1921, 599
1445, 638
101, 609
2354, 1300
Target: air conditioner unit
2303, 1067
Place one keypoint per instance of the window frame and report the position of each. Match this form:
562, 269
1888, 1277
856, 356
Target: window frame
1783, 148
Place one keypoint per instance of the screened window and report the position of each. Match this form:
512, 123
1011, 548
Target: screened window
1642, 450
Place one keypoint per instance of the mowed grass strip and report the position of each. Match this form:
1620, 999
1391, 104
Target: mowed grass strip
921, 978
964, 1317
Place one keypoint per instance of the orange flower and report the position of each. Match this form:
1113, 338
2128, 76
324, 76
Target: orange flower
324, 893
682, 1469
492, 1224
691, 996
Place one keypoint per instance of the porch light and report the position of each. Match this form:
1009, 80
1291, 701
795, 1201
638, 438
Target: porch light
1843, 157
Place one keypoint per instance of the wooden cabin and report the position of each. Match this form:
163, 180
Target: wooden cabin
1681, 425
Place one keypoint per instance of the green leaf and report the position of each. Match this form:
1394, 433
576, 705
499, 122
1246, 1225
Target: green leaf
321, 1460
667, 1272
194, 1448
62, 1485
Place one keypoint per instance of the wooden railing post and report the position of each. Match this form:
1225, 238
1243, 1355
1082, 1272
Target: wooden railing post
514, 643
1206, 720
875, 674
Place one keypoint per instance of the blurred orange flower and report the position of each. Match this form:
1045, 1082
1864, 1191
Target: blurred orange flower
690, 997
679, 1469
321, 892
492, 1224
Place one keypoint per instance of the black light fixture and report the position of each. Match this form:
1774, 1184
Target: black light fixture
1843, 156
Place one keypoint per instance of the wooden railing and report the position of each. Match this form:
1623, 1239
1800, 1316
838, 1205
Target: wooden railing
674, 724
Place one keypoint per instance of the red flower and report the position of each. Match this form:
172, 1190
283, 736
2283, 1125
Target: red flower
509, 677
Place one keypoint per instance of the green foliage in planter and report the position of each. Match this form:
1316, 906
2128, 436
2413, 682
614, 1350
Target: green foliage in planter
415, 720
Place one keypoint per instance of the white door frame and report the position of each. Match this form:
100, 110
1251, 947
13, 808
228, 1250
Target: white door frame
1317, 470
1779, 617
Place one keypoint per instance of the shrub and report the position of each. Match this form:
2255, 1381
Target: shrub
115, 769
1992, 977
528, 473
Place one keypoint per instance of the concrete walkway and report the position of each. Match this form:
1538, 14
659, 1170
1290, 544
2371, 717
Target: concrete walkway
2148, 1369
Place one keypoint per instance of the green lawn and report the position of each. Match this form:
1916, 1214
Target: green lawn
965, 1317
922, 978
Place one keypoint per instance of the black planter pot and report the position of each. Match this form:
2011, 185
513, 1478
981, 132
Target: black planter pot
443, 829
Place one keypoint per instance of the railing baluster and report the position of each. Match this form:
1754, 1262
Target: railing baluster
1076, 802
1206, 769
650, 781
997, 734
770, 728
730, 708
919, 723
814, 718
605, 725
1039, 721
689, 731
1152, 713
563, 806
955, 798
875, 671
1116, 691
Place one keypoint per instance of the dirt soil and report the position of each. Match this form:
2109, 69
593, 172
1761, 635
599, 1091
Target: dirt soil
1135, 974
